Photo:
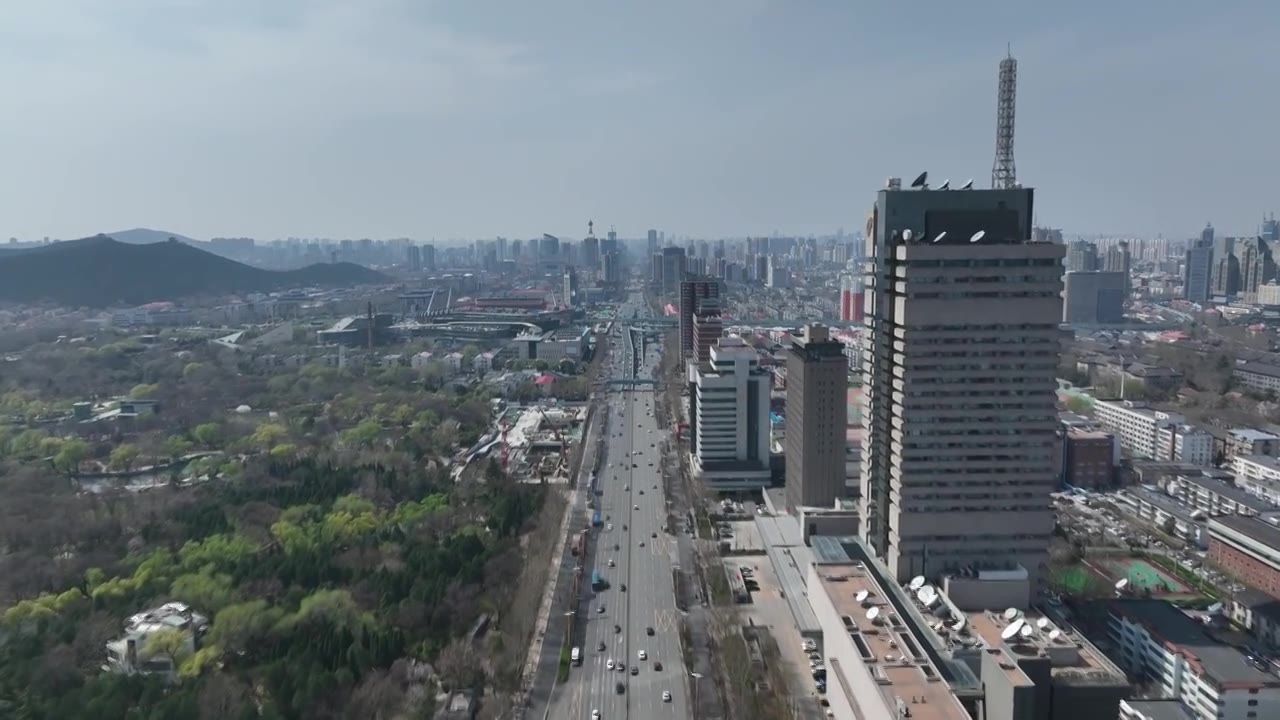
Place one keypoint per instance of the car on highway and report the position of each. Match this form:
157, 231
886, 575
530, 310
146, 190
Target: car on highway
642, 655
622, 667
615, 547
653, 535
635, 507
641, 543
649, 631
611, 562
600, 609
623, 587
619, 688
600, 646
595, 715
666, 697
617, 629
635, 670
609, 664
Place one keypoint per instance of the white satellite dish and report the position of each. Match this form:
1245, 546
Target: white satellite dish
940, 236
1122, 583
978, 236
1042, 623
907, 235
1010, 631
1011, 614
967, 186
1054, 634
862, 595
873, 613
1026, 631
917, 582
946, 185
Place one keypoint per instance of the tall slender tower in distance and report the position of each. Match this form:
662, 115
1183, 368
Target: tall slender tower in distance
1003, 174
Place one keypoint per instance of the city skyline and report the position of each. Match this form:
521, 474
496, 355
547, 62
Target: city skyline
402, 119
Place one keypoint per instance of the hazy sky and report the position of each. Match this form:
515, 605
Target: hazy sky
473, 118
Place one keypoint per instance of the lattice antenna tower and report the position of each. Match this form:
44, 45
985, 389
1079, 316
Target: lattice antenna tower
1003, 174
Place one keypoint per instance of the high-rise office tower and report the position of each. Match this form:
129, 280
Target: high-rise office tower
959, 404
708, 328
1118, 260
1196, 271
429, 257
1093, 298
817, 375
693, 294
729, 418
1206, 235
652, 245
1224, 280
516, 246
502, 249
1083, 257
613, 268
590, 254
570, 289
1257, 267
777, 275
413, 256
851, 304
673, 269
1270, 229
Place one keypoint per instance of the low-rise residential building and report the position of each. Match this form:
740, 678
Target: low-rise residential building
421, 360
1249, 549
1155, 640
1214, 493
133, 654
1248, 441
453, 362
483, 362
1259, 377
1136, 425
1156, 507
1185, 444
1257, 612
1258, 475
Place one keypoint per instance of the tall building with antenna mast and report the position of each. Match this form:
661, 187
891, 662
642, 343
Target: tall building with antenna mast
1003, 174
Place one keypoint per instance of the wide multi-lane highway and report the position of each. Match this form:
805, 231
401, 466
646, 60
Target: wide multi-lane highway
635, 615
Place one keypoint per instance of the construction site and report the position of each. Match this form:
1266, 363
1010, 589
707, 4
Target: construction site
534, 442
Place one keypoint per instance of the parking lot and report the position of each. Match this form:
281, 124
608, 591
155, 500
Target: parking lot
769, 609
743, 539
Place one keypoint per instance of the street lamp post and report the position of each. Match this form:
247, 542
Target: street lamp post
696, 677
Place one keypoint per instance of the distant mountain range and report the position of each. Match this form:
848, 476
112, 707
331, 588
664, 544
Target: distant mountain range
101, 272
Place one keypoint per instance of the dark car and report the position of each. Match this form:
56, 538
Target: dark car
648, 631
635, 670
657, 666
619, 688
617, 628
600, 646
623, 587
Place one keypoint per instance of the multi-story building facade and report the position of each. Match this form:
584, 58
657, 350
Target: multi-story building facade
1092, 298
1248, 441
1137, 425
1249, 549
1185, 444
1259, 377
1197, 271
817, 375
698, 296
1088, 459
1153, 639
729, 418
959, 418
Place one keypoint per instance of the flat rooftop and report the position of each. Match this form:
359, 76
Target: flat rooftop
1072, 659
1250, 434
1252, 528
1223, 664
892, 655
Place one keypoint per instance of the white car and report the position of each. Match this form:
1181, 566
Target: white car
642, 655
595, 715
666, 697
609, 664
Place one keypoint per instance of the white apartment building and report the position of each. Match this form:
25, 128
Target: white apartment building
1137, 426
1214, 681
729, 418
1186, 444
1258, 475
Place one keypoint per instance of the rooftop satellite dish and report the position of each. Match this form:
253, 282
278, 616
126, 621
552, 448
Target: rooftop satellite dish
946, 185
978, 236
967, 186
940, 236
916, 583
1042, 623
922, 181
1122, 583
873, 613
1011, 614
958, 625
907, 235
1054, 634
1010, 631
862, 595
1026, 631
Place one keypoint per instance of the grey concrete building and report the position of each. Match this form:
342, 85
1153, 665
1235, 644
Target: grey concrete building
673, 269
959, 391
817, 375
1197, 270
1093, 298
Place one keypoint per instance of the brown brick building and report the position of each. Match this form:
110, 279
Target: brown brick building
1249, 549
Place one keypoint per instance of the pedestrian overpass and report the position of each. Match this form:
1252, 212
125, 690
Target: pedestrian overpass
613, 384
648, 324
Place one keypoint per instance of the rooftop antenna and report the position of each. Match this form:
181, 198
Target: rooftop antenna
946, 185
591, 232
968, 185
1003, 174
922, 181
